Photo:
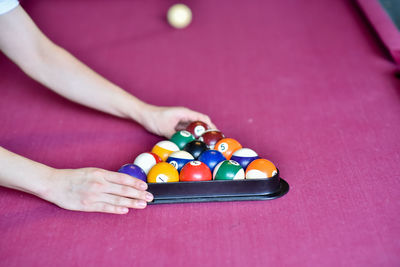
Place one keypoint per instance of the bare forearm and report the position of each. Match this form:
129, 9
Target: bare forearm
23, 42
23, 174
67, 76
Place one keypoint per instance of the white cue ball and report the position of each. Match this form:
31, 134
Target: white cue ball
179, 16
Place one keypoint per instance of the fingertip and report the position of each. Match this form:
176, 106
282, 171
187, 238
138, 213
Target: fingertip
123, 210
140, 204
213, 125
149, 197
143, 186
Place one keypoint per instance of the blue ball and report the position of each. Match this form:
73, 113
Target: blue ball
211, 158
244, 156
133, 170
244, 161
178, 159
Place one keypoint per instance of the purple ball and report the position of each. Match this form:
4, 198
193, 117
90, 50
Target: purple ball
133, 170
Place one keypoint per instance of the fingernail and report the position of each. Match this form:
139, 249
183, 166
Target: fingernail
124, 210
143, 186
149, 197
142, 204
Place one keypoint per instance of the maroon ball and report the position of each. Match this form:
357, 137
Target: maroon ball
197, 128
211, 137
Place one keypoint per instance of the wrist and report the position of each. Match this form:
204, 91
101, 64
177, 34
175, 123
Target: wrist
143, 113
43, 185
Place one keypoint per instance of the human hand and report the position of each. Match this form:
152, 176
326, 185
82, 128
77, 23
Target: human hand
92, 189
165, 121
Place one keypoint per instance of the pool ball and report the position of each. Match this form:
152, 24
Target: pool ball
195, 148
133, 170
197, 128
211, 158
146, 161
211, 137
244, 156
227, 146
162, 173
164, 148
195, 171
260, 168
181, 138
179, 16
228, 170
179, 158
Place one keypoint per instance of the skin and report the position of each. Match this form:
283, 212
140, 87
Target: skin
86, 189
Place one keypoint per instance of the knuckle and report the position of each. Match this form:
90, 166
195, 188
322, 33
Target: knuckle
95, 186
123, 179
120, 201
98, 173
87, 199
107, 208
125, 190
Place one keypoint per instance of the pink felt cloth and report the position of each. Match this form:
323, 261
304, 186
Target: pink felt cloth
304, 83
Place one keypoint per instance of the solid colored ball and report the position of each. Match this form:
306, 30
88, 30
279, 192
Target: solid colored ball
197, 128
133, 170
228, 170
211, 137
227, 146
261, 169
164, 148
162, 173
211, 158
244, 156
146, 161
195, 171
181, 138
195, 148
178, 159
179, 16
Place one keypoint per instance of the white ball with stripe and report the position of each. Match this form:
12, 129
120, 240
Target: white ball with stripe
181, 154
168, 145
245, 152
239, 175
146, 161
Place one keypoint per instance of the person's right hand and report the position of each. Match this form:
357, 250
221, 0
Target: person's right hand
92, 189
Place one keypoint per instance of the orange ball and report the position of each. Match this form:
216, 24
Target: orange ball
260, 169
162, 173
227, 146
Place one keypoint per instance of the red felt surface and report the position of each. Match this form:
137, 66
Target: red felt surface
304, 83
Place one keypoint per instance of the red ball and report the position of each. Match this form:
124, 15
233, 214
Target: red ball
195, 171
197, 128
211, 137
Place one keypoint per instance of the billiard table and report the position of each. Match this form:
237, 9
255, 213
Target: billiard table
306, 84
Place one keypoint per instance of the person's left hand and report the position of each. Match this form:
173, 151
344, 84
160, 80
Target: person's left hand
165, 121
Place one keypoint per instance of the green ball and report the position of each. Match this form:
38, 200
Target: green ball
181, 138
228, 170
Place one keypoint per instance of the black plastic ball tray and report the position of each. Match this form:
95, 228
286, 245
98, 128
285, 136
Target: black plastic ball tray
215, 191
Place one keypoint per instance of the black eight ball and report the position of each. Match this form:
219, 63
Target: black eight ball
195, 148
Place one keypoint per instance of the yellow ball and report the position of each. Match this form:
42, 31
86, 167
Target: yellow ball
179, 16
164, 148
163, 173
